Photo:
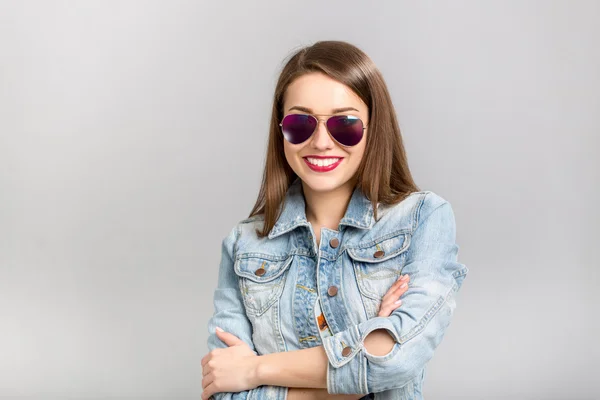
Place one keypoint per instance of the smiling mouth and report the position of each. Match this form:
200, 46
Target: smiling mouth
322, 164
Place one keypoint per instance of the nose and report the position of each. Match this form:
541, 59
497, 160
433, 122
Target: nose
320, 139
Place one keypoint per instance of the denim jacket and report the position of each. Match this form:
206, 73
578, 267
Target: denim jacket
283, 292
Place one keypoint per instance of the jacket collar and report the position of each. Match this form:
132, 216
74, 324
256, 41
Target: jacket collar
359, 213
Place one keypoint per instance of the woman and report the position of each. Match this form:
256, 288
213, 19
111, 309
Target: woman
310, 279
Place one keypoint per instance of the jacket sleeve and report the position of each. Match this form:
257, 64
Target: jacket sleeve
229, 314
418, 325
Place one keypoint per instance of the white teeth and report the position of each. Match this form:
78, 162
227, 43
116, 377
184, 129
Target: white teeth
322, 162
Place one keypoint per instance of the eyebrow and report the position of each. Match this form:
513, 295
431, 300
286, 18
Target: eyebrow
333, 111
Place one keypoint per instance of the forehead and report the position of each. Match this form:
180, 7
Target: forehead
321, 93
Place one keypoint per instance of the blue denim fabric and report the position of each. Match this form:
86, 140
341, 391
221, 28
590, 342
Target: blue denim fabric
273, 311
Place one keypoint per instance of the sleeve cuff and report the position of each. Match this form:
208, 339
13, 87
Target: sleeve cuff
260, 393
347, 368
268, 392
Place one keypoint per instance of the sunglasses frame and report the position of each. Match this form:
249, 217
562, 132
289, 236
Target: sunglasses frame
325, 121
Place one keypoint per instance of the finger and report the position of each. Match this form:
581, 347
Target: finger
400, 289
206, 370
385, 312
205, 359
394, 292
388, 304
207, 380
384, 309
208, 391
399, 281
393, 288
388, 309
228, 338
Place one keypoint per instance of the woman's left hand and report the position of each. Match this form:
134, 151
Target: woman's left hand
231, 369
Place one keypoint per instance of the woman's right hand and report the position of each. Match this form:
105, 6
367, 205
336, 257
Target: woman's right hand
388, 303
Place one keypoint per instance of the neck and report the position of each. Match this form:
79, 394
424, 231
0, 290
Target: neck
326, 209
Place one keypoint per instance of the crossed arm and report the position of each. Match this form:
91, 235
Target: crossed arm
303, 372
416, 329
308, 368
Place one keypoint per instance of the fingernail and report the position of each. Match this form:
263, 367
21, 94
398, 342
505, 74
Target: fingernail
398, 302
403, 286
220, 330
404, 277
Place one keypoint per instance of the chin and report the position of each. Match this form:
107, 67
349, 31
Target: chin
322, 184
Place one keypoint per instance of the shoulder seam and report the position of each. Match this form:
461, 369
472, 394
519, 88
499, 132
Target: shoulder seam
417, 220
238, 233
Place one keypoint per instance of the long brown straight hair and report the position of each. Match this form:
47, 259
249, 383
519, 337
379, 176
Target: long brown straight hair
383, 174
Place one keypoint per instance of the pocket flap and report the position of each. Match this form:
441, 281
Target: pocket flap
380, 249
261, 269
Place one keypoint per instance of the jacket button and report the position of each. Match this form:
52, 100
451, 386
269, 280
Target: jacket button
260, 272
332, 291
334, 243
379, 254
346, 351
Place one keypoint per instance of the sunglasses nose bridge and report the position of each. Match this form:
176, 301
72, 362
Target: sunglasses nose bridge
319, 120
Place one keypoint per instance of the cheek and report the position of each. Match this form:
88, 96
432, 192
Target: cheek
290, 153
287, 151
357, 156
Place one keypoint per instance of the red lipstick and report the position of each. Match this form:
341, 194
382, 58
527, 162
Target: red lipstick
324, 168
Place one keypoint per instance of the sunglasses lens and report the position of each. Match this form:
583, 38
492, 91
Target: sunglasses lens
297, 128
346, 129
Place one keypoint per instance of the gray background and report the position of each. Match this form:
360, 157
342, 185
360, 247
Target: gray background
132, 139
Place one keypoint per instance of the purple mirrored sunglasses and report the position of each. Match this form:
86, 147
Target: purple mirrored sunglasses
347, 130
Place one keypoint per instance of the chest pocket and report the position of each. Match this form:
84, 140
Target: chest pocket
262, 278
377, 265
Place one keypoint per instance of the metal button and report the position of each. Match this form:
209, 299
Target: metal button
379, 254
334, 242
260, 272
346, 351
332, 291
